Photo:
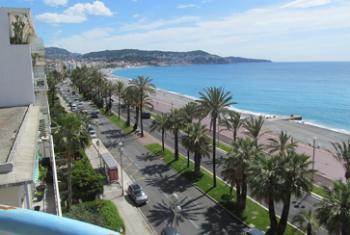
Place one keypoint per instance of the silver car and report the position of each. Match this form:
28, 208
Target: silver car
137, 194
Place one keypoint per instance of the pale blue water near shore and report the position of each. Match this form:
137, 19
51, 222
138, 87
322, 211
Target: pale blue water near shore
320, 92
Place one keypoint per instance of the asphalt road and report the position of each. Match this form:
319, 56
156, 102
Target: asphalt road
197, 214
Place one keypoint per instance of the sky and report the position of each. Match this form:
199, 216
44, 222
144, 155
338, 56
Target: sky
280, 30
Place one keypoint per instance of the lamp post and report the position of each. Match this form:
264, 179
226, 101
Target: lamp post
120, 144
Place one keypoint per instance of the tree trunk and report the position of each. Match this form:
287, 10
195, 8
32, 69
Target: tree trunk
272, 215
69, 201
188, 158
136, 118
176, 144
197, 164
119, 106
347, 174
238, 193
214, 151
163, 134
244, 194
284, 216
128, 117
234, 135
309, 229
141, 121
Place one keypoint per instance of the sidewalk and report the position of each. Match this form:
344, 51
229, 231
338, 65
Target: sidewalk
134, 220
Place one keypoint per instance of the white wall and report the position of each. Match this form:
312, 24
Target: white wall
16, 72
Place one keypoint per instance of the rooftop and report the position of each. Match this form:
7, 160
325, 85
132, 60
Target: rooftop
18, 155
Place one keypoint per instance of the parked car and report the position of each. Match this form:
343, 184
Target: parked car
254, 231
137, 194
92, 133
94, 114
169, 230
146, 115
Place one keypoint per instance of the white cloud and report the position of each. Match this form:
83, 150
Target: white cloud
272, 32
306, 3
77, 13
55, 2
184, 6
142, 25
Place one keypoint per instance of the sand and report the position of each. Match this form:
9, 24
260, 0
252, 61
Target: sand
327, 165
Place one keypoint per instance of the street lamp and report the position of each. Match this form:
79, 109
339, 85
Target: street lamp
120, 145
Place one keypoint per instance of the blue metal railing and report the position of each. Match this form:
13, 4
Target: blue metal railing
18, 221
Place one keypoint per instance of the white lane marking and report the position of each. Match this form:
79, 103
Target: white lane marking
194, 224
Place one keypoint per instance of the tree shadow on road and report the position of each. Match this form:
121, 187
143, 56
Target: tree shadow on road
175, 213
155, 169
219, 222
169, 184
147, 157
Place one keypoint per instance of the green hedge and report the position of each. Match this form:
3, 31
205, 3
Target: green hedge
253, 214
100, 212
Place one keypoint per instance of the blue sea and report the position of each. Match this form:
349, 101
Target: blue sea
319, 92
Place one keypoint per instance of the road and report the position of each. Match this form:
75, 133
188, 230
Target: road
198, 214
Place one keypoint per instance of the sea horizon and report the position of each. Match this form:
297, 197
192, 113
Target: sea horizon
307, 80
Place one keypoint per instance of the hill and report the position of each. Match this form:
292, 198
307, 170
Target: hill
148, 57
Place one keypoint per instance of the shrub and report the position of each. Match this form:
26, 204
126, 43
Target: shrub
100, 212
87, 184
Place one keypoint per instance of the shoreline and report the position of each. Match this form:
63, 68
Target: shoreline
274, 117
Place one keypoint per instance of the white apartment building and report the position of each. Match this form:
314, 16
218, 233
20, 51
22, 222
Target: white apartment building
16, 70
25, 134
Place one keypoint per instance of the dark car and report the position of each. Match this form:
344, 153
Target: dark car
146, 115
137, 194
169, 231
94, 114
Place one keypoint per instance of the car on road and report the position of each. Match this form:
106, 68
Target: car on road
92, 133
169, 231
94, 114
137, 194
254, 231
146, 115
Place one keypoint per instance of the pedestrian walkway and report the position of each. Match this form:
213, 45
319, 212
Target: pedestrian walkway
134, 220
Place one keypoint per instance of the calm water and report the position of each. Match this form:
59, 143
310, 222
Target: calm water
320, 92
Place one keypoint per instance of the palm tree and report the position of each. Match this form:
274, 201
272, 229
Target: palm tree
72, 136
334, 209
189, 112
214, 101
343, 154
232, 121
254, 125
264, 184
175, 124
143, 86
282, 145
129, 99
276, 178
307, 222
236, 168
160, 123
297, 178
119, 90
197, 142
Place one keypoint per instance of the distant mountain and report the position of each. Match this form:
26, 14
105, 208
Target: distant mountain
60, 53
149, 57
